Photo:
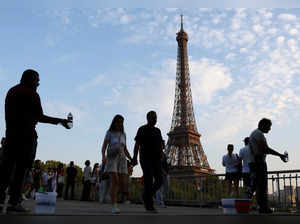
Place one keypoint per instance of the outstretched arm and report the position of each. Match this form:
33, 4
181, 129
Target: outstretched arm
275, 153
43, 118
54, 120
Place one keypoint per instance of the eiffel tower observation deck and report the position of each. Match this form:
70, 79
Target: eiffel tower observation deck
184, 150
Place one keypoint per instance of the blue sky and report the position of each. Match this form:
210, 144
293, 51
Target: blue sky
97, 62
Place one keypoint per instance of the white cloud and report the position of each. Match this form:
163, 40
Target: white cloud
258, 28
272, 31
171, 9
280, 40
293, 31
230, 56
287, 17
98, 80
242, 38
207, 78
125, 19
243, 50
292, 43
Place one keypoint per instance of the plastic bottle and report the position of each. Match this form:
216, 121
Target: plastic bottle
70, 119
286, 156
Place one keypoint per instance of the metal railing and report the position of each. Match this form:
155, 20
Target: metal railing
208, 190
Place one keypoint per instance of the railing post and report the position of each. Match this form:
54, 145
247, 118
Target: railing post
291, 193
278, 188
273, 188
284, 191
296, 188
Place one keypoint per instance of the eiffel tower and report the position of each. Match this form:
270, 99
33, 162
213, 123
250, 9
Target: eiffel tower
184, 150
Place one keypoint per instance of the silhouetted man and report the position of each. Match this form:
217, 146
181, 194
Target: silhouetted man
259, 149
23, 111
149, 143
2, 150
245, 156
71, 175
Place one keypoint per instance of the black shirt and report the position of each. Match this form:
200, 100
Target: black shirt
22, 111
71, 173
150, 140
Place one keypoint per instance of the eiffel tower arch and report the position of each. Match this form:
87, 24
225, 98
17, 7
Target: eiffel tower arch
184, 150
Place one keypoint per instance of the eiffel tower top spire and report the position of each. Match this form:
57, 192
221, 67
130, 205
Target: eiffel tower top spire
181, 22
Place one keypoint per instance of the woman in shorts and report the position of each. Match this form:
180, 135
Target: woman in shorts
114, 153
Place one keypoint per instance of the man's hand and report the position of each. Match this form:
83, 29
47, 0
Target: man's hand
104, 159
64, 122
134, 162
283, 158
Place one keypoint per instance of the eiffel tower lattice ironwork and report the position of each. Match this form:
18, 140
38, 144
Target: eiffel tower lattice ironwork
184, 150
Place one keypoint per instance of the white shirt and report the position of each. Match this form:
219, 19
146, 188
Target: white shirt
258, 143
230, 163
246, 156
87, 172
45, 177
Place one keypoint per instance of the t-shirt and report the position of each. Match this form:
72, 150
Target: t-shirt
150, 140
246, 156
22, 111
87, 172
258, 143
71, 173
45, 178
230, 162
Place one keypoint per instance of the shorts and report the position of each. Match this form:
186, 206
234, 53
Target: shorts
28, 179
117, 164
232, 176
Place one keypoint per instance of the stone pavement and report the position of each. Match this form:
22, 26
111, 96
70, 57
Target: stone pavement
74, 207
93, 212
80, 208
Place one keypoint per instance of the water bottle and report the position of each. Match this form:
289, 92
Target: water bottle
286, 156
70, 119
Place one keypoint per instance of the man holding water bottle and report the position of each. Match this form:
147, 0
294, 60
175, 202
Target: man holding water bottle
259, 149
23, 111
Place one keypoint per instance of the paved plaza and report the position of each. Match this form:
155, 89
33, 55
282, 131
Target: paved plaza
91, 212
81, 208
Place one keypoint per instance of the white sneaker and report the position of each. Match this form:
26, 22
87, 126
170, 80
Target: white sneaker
163, 205
115, 210
24, 197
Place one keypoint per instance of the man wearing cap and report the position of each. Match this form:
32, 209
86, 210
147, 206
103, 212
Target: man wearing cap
246, 158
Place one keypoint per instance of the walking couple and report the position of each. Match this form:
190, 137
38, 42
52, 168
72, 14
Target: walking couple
148, 143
